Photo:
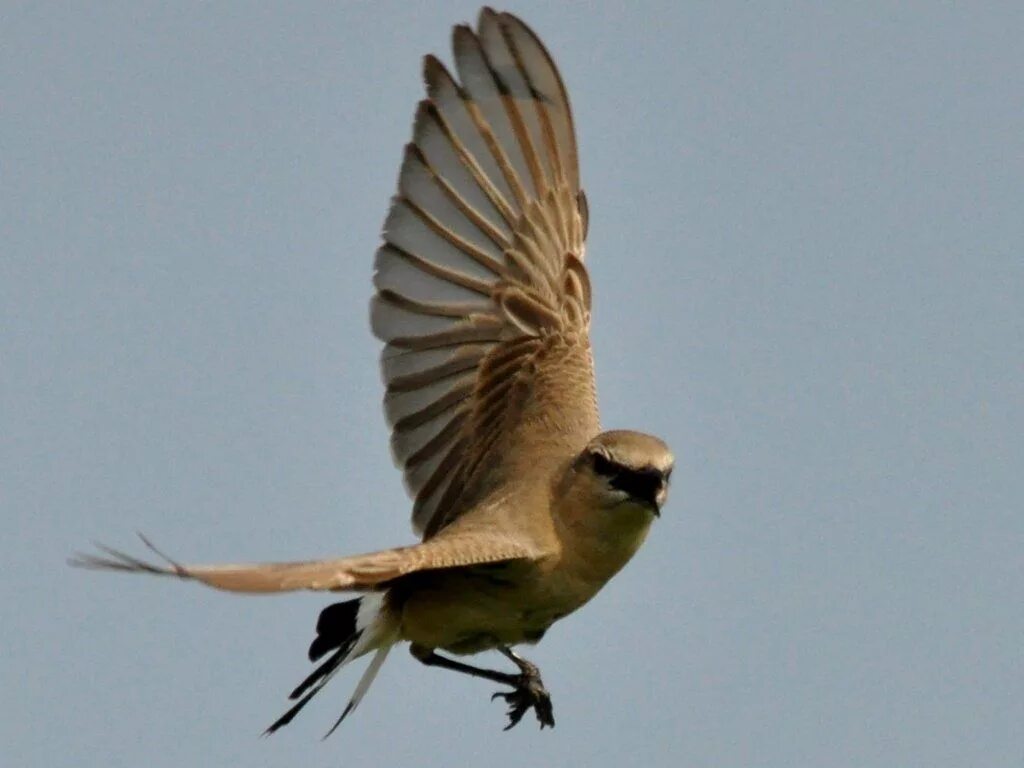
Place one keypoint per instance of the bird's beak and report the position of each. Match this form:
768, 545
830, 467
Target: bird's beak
660, 498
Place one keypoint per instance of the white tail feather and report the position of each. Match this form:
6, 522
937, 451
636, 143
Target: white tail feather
364, 684
346, 638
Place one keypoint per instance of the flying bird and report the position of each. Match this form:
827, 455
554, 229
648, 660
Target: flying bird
525, 508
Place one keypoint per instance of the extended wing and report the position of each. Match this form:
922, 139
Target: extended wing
482, 300
345, 573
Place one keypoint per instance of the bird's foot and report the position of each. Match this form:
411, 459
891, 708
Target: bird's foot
528, 693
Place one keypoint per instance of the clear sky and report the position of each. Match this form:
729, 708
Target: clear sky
807, 250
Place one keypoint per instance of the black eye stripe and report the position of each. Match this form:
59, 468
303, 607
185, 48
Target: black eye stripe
640, 484
644, 483
605, 466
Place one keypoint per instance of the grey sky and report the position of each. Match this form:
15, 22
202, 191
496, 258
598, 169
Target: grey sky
806, 247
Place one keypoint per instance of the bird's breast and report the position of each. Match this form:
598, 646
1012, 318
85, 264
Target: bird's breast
475, 608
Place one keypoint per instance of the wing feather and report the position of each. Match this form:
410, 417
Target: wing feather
487, 110
450, 137
346, 573
482, 298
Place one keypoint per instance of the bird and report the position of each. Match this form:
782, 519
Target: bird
523, 506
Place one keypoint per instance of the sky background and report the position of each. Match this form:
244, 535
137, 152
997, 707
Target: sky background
807, 251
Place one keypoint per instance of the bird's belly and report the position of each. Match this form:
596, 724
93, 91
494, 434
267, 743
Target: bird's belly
468, 610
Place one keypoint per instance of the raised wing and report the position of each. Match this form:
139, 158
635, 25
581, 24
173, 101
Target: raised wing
482, 299
345, 573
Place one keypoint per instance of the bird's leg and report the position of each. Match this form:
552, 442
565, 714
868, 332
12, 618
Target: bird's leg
527, 687
433, 659
530, 692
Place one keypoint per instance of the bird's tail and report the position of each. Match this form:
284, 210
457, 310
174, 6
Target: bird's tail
346, 631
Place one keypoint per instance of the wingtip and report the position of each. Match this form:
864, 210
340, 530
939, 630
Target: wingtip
462, 36
178, 568
487, 14
116, 560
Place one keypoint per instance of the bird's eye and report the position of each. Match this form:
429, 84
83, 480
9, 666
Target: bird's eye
603, 465
640, 484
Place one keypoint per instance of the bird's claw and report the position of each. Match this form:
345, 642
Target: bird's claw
530, 693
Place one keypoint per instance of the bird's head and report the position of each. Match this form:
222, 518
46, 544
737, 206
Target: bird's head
608, 498
626, 470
